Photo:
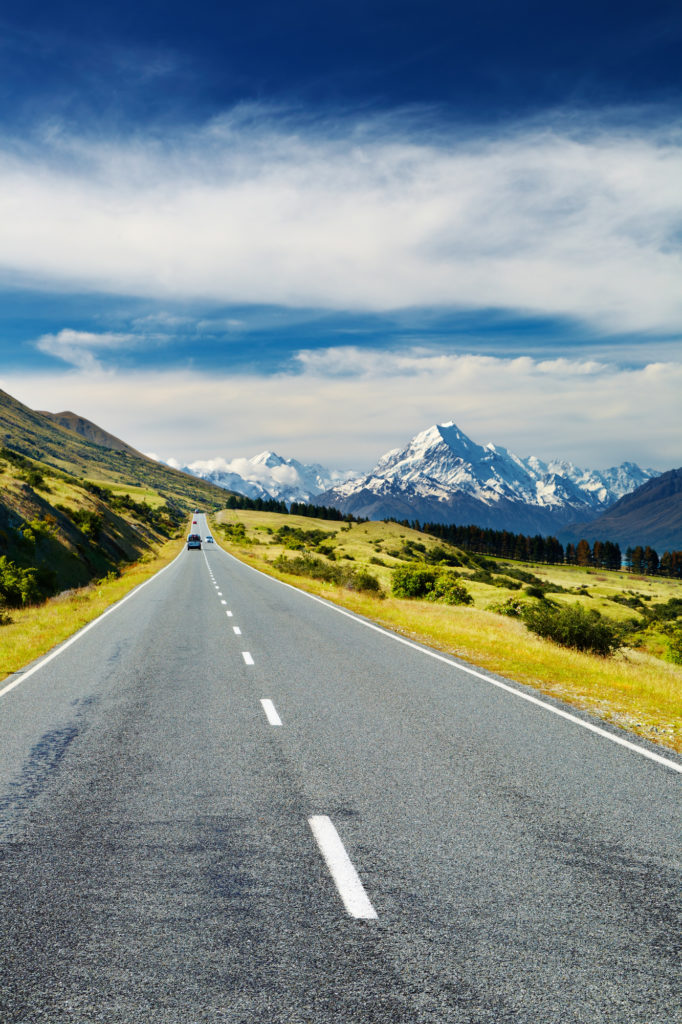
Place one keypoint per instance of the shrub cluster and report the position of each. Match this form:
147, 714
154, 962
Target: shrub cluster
573, 626
344, 576
17, 586
434, 584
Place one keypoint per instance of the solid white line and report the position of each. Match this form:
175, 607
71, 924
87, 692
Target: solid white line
657, 758
229, 614
350, 888
81, 632
247, 657
270, 712
237, 631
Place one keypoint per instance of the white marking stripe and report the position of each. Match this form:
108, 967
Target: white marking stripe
224, 602
247, 657
237, 631
229, 614
351, 891
270, 712
658, 758
220, 593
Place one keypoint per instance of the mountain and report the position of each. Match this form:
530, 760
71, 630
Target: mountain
652, 514
90, 431
443, 476
268, 475
38, 436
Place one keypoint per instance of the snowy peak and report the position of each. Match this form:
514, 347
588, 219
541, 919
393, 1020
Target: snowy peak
268, 475
442, 469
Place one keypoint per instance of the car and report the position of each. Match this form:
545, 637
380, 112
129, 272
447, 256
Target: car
194, 522
193, 541
209, 540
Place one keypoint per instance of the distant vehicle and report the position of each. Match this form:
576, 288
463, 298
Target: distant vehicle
194, 522
193, 541
209, 540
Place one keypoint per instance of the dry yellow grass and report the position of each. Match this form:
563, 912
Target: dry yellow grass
37, 629
632, 689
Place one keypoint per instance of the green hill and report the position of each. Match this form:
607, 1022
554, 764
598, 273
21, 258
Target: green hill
37, 436
72, 510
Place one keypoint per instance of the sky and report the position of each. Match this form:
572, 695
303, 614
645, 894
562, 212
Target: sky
320, 227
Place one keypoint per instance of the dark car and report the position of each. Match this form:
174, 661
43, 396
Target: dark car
193, 541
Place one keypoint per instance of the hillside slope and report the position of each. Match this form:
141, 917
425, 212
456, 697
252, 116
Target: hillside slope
38, 436
90, 431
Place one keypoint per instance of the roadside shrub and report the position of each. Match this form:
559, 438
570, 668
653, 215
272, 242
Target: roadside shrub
513, 607
573, 626
343, 576
534, 591
413, 581
17, 586
673, 638
449, 589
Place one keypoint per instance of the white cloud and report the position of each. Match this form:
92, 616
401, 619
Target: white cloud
586, 225
76, 347
347, 406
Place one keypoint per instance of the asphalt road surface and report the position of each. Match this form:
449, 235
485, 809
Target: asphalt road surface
229, 802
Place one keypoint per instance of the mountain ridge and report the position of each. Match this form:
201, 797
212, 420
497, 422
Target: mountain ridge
443, 476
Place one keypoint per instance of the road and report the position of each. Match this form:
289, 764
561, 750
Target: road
229, 802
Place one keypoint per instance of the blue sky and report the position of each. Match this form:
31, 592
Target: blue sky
321, 227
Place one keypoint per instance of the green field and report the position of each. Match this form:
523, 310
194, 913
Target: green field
636, 688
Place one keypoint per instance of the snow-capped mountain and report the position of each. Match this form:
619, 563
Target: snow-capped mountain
268, 475
443, 476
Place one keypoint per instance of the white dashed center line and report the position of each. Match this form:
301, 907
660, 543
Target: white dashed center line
350, 888
247, 657
270, 712
229, 614
223, 601
237, 631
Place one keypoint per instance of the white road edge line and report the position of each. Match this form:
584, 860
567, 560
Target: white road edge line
351, 891
658, 758
270, 712
247, 658
81, 632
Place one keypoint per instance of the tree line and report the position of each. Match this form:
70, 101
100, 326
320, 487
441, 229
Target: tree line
602, 554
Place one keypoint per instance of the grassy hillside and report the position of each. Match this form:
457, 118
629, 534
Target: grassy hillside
72, 510
636, 688
37, 436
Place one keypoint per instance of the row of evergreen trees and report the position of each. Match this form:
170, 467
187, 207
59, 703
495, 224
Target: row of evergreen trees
603, 554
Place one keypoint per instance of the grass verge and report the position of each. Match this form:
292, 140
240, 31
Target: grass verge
633, 689
36, 629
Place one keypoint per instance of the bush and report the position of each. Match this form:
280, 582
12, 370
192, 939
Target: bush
673, 638
17, 586
413, 581
343, 576
513, 607
449, 589
573, 626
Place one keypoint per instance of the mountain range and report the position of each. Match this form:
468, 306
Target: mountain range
443, 476
268, 475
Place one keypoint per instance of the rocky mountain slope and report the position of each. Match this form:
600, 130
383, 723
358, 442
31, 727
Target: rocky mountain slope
652, 514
